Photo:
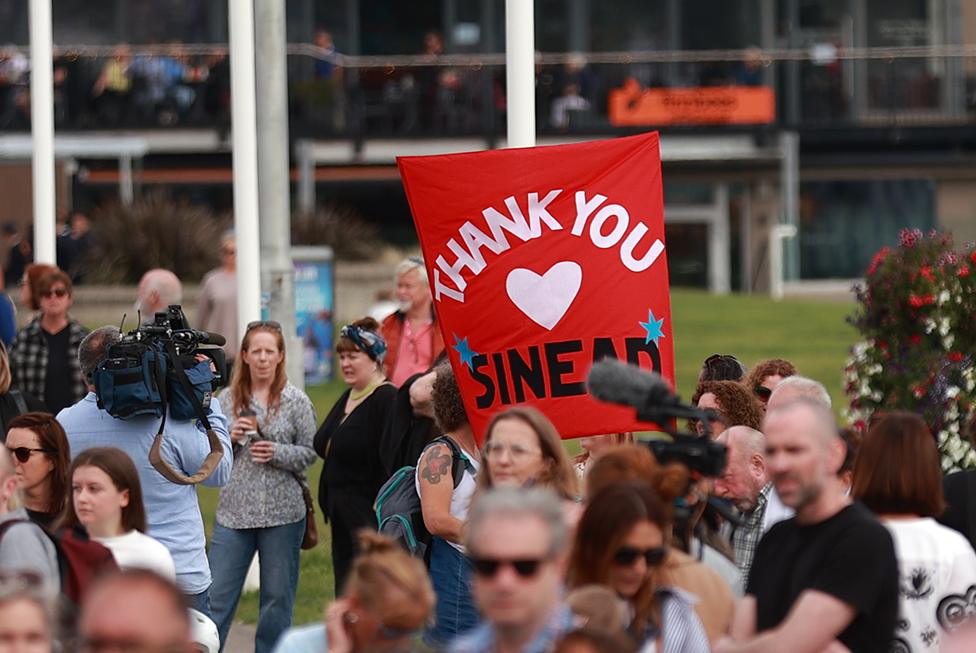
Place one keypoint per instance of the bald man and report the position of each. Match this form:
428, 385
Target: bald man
746, 483
797, 387
158, 289
829, 575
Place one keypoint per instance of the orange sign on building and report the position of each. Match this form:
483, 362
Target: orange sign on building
631, 105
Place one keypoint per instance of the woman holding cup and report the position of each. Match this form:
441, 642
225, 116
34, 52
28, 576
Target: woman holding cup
262, 508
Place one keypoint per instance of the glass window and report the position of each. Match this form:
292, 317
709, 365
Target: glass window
630, 25
903, 84
396, 27
843, 223
88, 22
13, 22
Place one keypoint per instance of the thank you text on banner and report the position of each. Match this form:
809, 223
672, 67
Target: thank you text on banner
541, 261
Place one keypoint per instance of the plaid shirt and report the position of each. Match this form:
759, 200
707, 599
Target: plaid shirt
482, 638
745, 538
28, 360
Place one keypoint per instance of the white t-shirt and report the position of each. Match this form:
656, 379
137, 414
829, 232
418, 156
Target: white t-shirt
776, 511
136, 550
938, 578
461, 498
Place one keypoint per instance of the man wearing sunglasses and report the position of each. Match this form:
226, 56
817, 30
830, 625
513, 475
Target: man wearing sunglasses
23, 546
518, 543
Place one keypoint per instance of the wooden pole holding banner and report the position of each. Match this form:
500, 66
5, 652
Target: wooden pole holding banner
42, 130
245, 158
520, 71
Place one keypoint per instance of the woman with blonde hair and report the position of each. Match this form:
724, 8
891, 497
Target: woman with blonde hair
386, 601
594, 446
13, 402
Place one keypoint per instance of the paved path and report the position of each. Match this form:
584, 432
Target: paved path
240, 639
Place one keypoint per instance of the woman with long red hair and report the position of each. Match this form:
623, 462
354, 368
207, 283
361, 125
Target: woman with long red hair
262, 507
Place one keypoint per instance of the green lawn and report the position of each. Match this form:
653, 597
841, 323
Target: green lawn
814, 335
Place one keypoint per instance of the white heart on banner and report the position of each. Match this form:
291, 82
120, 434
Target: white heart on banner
545, 299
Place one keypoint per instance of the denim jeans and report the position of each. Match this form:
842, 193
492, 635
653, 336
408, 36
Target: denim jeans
200, 602
231, 551
455, 613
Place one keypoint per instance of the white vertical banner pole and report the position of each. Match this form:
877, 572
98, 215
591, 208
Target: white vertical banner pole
520, 71
245, 158
42, 129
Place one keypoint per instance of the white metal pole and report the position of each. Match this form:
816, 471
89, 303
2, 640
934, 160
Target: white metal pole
271, 83
520, 71
245, 157
42, 129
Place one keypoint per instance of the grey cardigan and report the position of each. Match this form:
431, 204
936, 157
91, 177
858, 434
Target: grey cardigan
264, 495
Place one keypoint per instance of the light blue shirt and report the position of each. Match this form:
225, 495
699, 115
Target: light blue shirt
303, 639
172, 510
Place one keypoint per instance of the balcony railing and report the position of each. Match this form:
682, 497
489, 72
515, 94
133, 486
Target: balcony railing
335, 96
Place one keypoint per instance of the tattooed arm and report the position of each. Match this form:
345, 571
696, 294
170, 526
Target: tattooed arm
436, 488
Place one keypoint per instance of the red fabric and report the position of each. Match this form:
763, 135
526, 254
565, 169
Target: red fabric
542, 260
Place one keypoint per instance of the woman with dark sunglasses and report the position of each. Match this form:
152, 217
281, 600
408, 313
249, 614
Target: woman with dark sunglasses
387, 600
44, 354
262, 507
42, 460
621, 542
765, 375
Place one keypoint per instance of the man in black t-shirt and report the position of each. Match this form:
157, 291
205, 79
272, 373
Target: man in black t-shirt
826, 580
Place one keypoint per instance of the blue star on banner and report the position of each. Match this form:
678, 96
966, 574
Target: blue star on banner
464, 350
654, 328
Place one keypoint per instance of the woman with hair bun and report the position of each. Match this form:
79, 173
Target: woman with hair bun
387, 600
349, 441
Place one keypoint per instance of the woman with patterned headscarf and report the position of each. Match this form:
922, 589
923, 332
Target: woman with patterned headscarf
349, 441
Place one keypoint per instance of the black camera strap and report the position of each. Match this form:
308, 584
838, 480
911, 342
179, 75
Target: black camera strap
216, 448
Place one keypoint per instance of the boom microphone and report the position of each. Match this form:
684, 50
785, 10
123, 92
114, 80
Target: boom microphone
653, 400
647, 392
211, 338
618, 383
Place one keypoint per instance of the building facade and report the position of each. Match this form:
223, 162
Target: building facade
846, 119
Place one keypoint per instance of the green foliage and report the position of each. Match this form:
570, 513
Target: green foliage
916, 310
351, 237
154, 232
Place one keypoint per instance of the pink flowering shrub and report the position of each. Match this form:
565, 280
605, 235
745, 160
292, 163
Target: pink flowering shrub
917, 318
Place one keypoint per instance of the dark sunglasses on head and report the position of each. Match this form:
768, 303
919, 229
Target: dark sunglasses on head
723, 367
23, 454
270, 324
626, 556
489, 567
57, 292
763, 392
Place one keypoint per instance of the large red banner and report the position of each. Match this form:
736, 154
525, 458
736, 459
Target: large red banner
541, 261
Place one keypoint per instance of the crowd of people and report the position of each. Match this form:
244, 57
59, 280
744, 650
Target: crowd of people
812, 539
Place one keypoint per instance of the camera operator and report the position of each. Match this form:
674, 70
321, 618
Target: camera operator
172, 510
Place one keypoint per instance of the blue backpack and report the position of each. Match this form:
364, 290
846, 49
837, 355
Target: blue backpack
397, 505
